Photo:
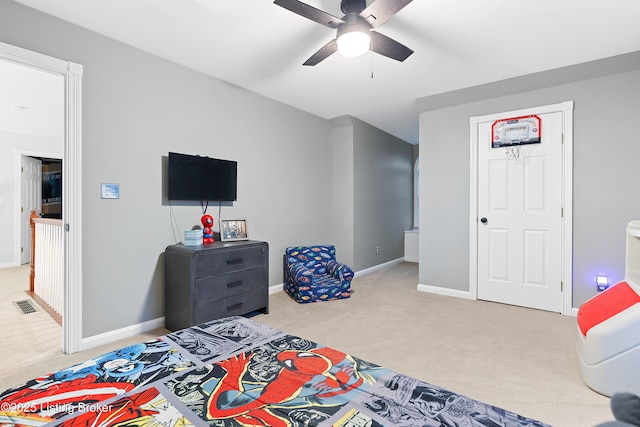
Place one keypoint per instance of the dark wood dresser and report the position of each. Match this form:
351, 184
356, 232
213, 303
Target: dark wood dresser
215, 280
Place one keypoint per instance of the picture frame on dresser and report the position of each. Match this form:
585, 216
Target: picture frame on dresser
233, 230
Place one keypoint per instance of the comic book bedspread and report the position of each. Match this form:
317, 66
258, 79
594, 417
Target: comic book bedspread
238, 372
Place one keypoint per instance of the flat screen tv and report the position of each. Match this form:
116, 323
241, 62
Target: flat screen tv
201, 178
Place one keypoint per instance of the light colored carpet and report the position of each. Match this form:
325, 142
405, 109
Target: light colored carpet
519, 359
27, 338
32, 343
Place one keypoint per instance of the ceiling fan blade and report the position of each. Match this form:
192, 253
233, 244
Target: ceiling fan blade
325, 51
389, 47
310, 12
380, 11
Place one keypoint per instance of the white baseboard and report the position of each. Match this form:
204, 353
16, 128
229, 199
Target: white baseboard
9, 265
129, 331
378, 267
445, 291
462, 294
276, 288
119, 334
279, 288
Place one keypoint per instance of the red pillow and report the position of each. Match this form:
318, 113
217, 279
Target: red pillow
617, 298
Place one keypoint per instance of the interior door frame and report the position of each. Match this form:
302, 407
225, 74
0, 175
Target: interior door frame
71, 185
566, 108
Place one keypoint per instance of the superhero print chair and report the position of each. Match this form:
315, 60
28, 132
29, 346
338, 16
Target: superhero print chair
608, 329
311, 273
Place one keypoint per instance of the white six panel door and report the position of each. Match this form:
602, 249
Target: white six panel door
31, 199
520, 244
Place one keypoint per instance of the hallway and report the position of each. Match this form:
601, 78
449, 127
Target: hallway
28, 338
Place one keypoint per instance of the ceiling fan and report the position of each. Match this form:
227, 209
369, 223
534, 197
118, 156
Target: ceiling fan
355, 35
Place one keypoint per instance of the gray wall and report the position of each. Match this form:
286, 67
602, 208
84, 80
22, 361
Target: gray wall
10, 143
444, 199
342, 190
383, 196
605, 170
373, 193
137, 108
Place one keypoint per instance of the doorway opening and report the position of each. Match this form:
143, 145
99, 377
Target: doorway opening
71, 187
40, 192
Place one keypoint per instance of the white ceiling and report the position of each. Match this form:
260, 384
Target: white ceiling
31, 101
260, 46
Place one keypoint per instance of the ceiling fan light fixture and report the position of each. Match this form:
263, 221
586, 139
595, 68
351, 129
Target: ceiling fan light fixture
353, 36
354, 43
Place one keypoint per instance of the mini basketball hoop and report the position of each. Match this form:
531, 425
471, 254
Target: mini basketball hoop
513, 152
513, 132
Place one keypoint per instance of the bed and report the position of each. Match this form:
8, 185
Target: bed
239, 372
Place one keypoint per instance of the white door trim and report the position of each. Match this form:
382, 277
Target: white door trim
567, 196
72, 185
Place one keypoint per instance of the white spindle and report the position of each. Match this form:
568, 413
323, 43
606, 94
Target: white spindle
48, 282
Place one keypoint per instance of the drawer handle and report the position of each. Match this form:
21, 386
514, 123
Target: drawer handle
234, 261
234, 306
234, 284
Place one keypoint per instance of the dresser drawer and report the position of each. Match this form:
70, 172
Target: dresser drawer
229, 260
220, 286
232, 305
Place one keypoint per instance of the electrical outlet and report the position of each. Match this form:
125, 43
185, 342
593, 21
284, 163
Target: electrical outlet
377, 250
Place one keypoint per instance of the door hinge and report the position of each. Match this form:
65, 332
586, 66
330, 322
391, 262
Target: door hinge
66, 227
561, 212
562, 139
21, 249
561, 286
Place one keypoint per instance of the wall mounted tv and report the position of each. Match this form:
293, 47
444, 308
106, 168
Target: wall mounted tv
201, 178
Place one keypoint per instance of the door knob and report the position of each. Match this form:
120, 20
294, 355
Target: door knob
484, 220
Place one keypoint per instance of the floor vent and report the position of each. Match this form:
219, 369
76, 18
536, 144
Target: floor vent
25, 306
